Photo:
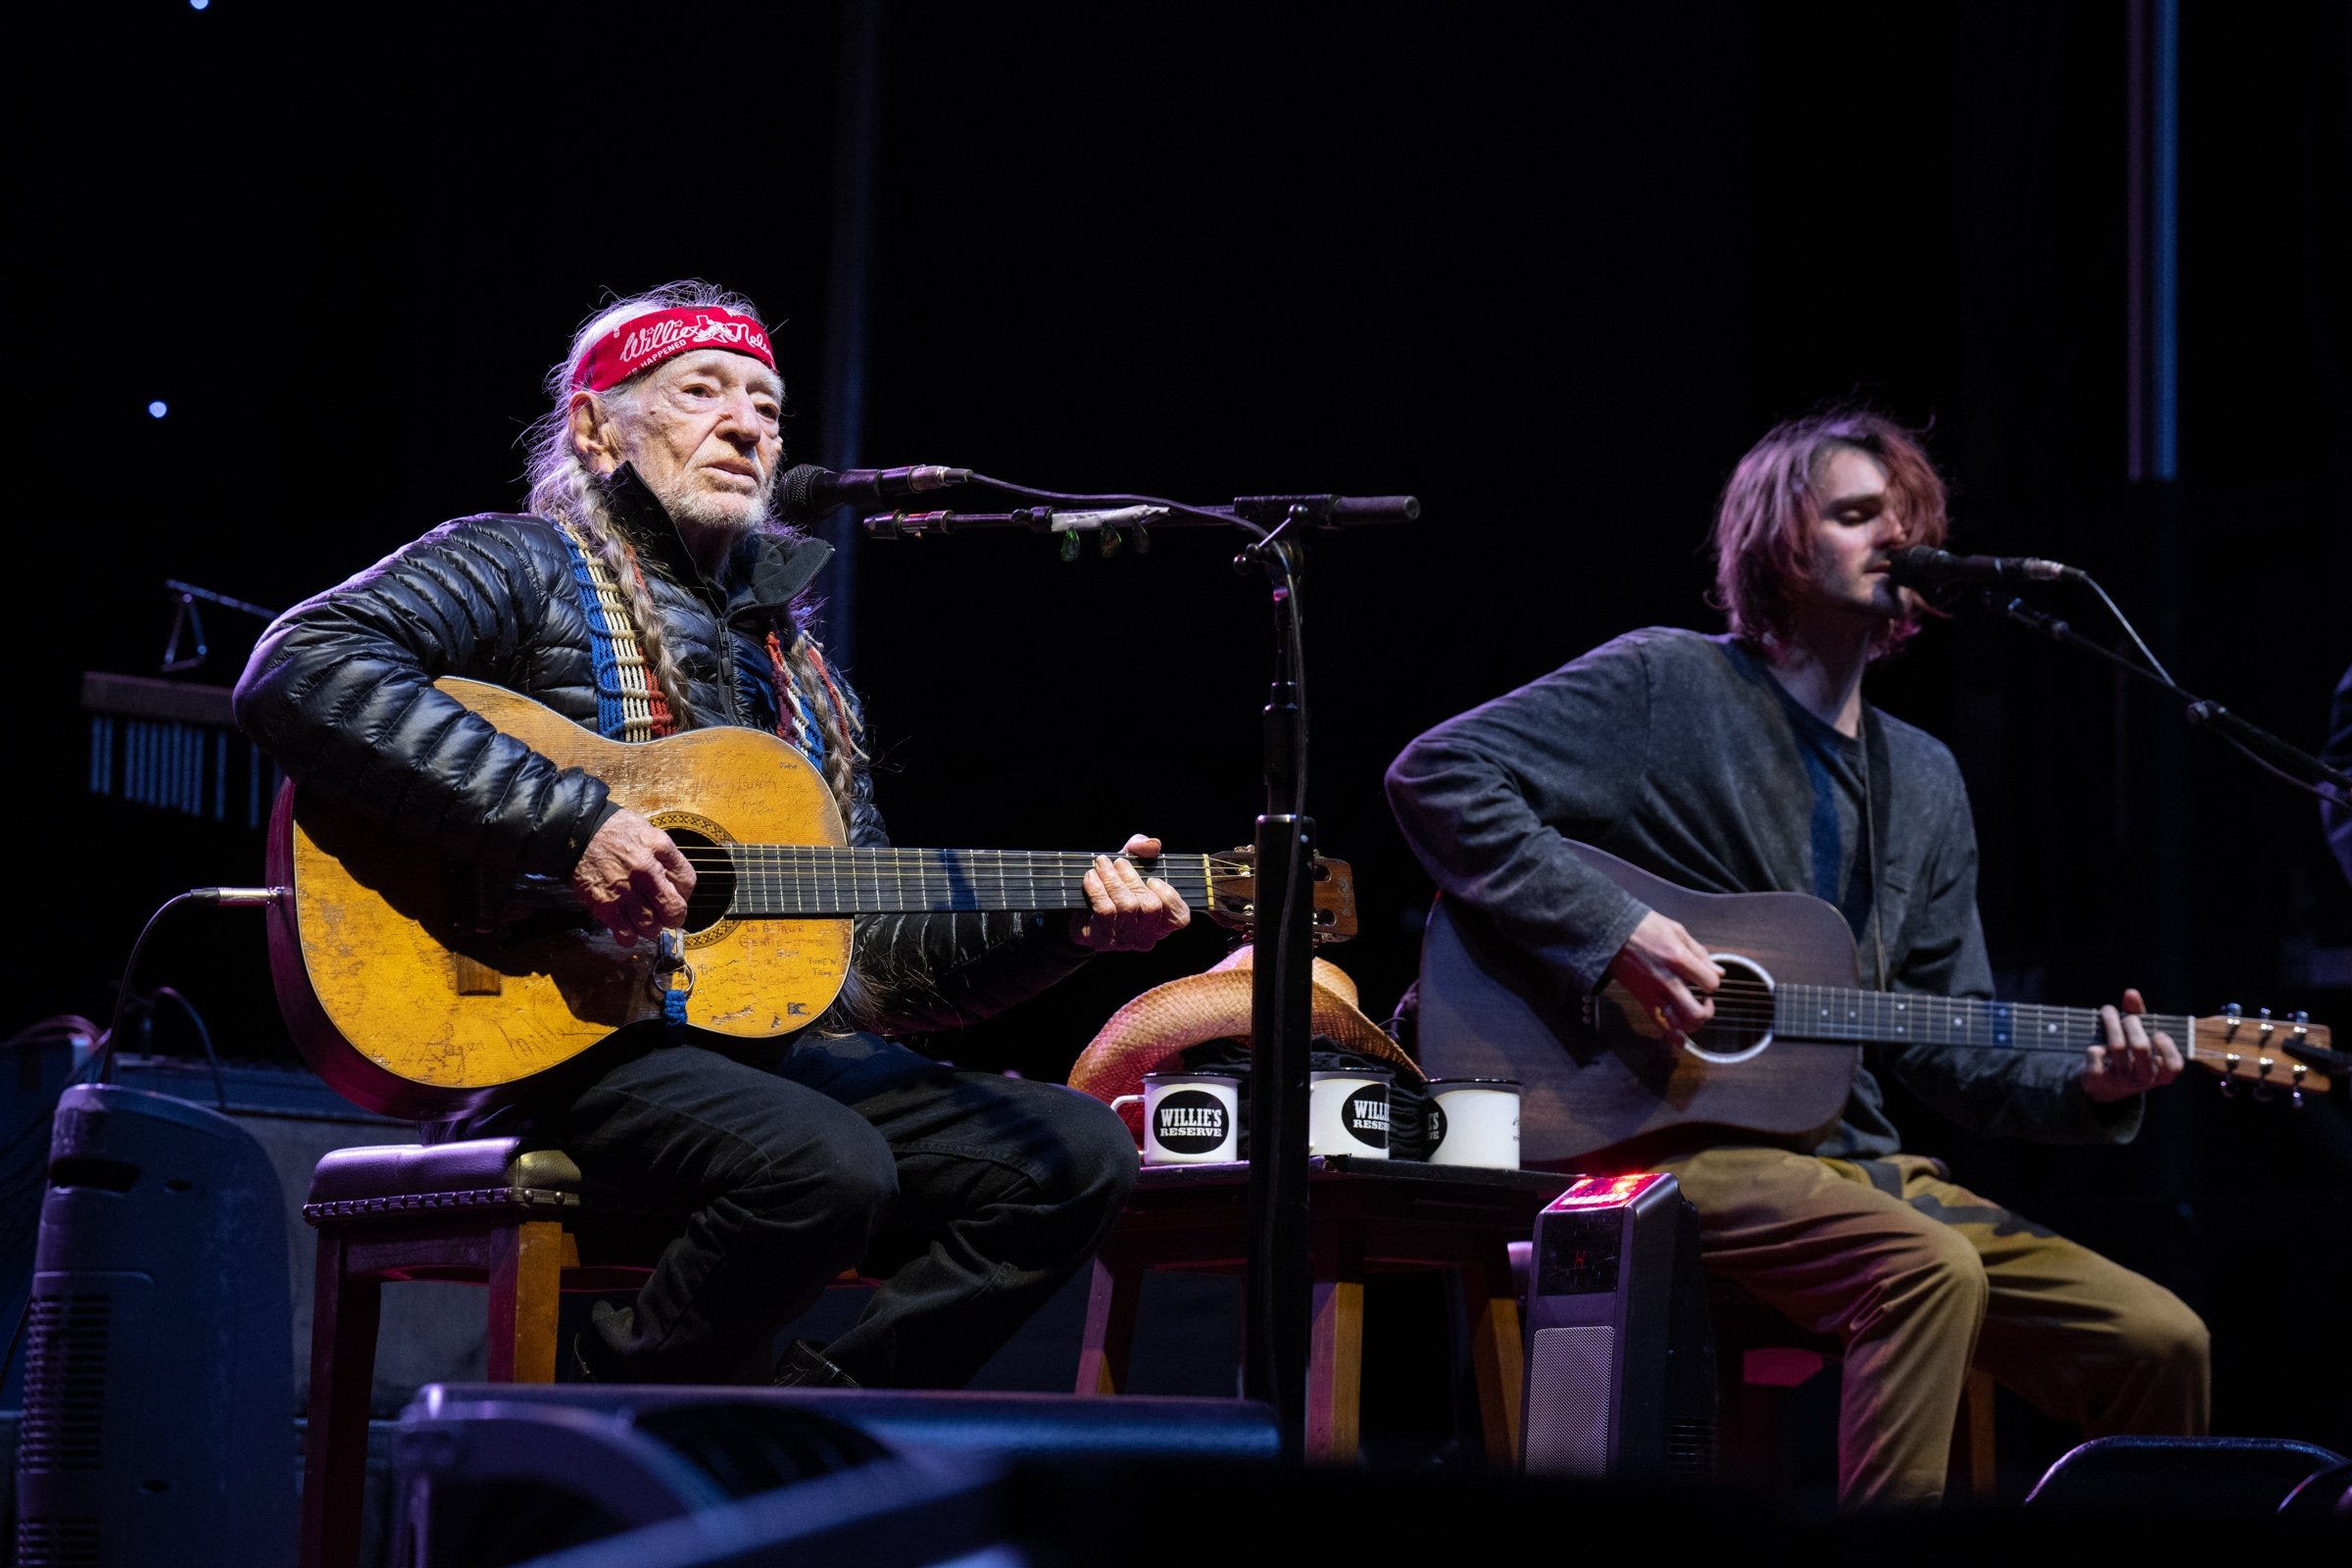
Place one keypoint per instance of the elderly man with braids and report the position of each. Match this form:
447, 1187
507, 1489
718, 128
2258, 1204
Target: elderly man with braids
649, 590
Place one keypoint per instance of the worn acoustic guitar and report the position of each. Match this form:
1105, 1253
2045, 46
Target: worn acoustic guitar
1600, 1077
417, 987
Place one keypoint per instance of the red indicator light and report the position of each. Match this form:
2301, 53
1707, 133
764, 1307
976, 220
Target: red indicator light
1604, 1192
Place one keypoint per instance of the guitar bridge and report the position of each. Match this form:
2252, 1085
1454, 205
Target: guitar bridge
474, 978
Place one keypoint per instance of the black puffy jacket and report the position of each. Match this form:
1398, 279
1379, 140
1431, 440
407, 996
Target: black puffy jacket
339, 692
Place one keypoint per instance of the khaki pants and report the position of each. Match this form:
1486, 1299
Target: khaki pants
1922, 1278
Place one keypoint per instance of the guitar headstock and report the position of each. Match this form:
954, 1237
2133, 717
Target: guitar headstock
1232, 894
2273, 1053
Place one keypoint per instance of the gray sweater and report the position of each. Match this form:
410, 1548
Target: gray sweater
1682, 754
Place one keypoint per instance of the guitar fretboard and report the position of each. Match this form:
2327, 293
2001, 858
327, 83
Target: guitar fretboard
1894, 1017
825, 881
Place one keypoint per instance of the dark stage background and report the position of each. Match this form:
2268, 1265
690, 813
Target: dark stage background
1549, 274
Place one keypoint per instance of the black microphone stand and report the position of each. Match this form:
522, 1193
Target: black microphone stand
1275, 1348
2267, 750
1277, 1303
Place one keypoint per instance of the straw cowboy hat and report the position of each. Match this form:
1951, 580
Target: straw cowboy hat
1151, 1031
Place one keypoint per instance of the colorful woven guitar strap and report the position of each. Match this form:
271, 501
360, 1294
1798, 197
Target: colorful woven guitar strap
629, 705
808, 731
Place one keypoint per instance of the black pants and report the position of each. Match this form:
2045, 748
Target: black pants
970, 1195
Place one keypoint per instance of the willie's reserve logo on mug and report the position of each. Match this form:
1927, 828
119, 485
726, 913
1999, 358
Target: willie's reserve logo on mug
1189, 1121
1366, 1115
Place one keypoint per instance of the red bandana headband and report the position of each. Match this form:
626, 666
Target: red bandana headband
644, 341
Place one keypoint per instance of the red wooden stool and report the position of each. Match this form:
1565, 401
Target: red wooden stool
1364, 1216
485, 1211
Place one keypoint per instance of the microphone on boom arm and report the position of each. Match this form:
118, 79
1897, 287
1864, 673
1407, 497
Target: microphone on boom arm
1327, 512
1319, 511
1923, 567
806, 492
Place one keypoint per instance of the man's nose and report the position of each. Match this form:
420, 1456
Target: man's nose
739, 420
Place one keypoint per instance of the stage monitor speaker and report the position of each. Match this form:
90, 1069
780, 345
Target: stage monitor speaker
490, 1474
1620, 1355
43, 1061
429, 1331
2239, 1477
156, 1381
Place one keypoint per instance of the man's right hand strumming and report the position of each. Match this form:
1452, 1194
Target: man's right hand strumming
1669, 973
632, 878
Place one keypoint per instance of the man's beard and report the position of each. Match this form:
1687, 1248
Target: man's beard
697, 511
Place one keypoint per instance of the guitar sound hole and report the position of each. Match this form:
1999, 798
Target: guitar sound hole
714, 878
1742, 1023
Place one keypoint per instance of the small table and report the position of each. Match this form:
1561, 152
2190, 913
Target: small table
1364, 1216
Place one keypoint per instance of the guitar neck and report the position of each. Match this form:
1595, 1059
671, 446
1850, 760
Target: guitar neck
1896, 1017
824, 881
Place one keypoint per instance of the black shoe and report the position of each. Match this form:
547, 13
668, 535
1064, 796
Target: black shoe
805, 1367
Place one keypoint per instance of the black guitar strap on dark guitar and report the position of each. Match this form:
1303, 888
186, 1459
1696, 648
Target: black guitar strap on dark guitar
1878, 784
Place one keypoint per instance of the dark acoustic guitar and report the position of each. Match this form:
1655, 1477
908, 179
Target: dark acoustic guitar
417, 987
1601, 1076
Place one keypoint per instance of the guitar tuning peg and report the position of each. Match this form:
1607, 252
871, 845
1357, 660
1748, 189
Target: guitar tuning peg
2295, 1097
2229, 1088
2263, 1095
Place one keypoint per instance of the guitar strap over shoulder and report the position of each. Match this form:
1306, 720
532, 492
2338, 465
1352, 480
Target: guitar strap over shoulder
1878, 795
629, 706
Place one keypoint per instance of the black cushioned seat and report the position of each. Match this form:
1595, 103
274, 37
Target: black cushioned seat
403, 1178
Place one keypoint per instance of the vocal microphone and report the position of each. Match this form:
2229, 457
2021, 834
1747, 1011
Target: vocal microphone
806, 492
1924, 566
1327, 512
1035, 519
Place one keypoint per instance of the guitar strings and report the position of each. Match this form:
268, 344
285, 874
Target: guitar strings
766, 866
2190, 1048
2041, 1017
1055, 877
796, 875
1754, 1007
2198, 1052
2024, 1017
715, 853
835, 861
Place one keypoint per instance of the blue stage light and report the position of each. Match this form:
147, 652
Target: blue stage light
157, 408
198, 5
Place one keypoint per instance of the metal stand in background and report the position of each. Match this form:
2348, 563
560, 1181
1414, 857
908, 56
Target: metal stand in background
2266, 750
188, 620
1279, 1310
